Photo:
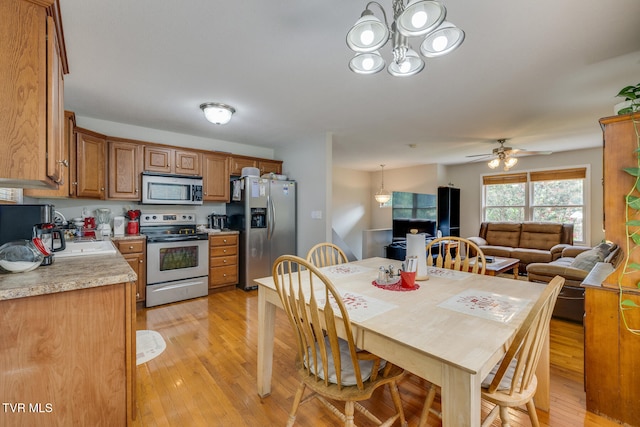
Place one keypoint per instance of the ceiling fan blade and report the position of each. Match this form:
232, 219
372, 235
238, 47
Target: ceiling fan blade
522, 153
481, 155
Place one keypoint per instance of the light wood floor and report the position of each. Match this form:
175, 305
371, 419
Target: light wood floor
207, 374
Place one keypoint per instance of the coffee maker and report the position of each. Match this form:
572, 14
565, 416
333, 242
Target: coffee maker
49, 234
218, 222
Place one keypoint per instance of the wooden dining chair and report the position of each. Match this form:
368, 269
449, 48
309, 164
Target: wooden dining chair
456, 253
512, 383
326, 254
329, 366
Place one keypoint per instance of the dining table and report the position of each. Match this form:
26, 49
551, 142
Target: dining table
450, 329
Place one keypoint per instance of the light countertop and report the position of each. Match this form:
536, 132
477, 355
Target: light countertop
67, 274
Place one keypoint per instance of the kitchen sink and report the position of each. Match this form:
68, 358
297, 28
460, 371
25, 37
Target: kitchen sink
83, 248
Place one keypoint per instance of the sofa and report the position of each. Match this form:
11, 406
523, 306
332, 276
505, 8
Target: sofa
574, 265
529, 242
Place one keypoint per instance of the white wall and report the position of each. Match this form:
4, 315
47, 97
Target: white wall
417, 179
468, 177
310, 166
351, 201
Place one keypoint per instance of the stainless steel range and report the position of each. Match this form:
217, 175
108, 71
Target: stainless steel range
177, 258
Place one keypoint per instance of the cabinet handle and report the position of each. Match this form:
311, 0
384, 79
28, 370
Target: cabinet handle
224, 250
130, 247
64, 163
137, 295
224, 275
102, 189
224, 240
141, 261
224, 261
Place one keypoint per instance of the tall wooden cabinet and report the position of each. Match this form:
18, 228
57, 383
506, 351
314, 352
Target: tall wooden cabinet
89, 178
32, 92
124, 167
215, 176
612, 377
449, 211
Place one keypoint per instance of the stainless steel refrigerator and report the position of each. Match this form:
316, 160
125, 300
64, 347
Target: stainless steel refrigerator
264, 211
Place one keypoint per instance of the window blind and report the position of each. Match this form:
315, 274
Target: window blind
556, 175
510, 178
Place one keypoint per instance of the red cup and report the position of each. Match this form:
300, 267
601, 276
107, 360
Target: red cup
408, 279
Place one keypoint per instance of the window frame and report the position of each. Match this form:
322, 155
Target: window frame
540, 175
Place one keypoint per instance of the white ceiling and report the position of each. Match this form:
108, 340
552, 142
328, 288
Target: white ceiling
539, 73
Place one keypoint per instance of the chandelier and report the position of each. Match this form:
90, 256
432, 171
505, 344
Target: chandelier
382, 196
418, 18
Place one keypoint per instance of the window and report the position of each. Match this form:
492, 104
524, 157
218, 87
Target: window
414, 205
544, 196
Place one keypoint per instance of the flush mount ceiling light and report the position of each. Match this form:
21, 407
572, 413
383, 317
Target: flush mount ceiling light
417, 19
382, 196
217, 113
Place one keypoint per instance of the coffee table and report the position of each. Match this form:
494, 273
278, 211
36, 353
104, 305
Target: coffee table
501, 265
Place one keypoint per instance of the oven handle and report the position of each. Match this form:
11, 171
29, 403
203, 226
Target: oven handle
176, 239
180, 285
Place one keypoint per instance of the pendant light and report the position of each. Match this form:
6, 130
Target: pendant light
382, 196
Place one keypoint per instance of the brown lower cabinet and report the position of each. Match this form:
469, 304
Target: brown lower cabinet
61, 358
134, 252
223, 262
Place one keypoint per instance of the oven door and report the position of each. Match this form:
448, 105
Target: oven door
177, 260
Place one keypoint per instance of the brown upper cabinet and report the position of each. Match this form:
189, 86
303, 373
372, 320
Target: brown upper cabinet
215, 177
64, 188
89, 179
236, 163
270, 166
172, 160
124, 167
32, 92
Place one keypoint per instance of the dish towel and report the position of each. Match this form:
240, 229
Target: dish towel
237, 189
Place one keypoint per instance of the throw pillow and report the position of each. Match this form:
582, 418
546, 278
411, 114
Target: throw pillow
587, 259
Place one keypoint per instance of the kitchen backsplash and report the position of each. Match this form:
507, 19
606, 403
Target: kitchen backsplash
72, 208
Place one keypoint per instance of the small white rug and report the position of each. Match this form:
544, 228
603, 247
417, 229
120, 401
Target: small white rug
149, 344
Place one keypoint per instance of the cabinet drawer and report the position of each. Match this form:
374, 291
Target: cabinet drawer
223, 275
222, 261
131, 246
230, 239
223, 251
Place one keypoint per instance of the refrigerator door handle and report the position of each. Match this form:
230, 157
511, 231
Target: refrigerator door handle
271, 218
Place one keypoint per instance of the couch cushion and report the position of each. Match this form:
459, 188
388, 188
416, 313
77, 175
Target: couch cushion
528, 256
540, 235
503, 234
588, 259
502, 251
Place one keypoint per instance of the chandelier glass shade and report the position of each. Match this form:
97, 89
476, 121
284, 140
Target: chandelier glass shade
418, 18
382, 196
217, 113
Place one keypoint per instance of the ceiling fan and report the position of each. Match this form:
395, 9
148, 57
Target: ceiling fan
506, 155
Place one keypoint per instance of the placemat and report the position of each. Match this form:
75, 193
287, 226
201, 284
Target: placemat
395, 287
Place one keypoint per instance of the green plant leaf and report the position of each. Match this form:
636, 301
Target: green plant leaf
629, 303
633, 202
636, 239
632, 171
634, 266
634, 223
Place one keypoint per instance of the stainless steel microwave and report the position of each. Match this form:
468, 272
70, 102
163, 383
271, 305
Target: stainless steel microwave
162, 189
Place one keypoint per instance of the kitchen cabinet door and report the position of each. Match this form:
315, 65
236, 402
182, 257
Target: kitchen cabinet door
65, 189
31, 89
90, 165
188, 163
270, 166
158, 159
124, 167
223, 262
134, 252
215, 177
236, 163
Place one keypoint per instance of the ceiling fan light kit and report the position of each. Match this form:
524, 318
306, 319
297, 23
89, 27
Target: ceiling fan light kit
217, 113
506, 156
418, 18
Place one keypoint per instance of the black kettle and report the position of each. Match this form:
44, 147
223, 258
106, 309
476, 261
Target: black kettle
49, 234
